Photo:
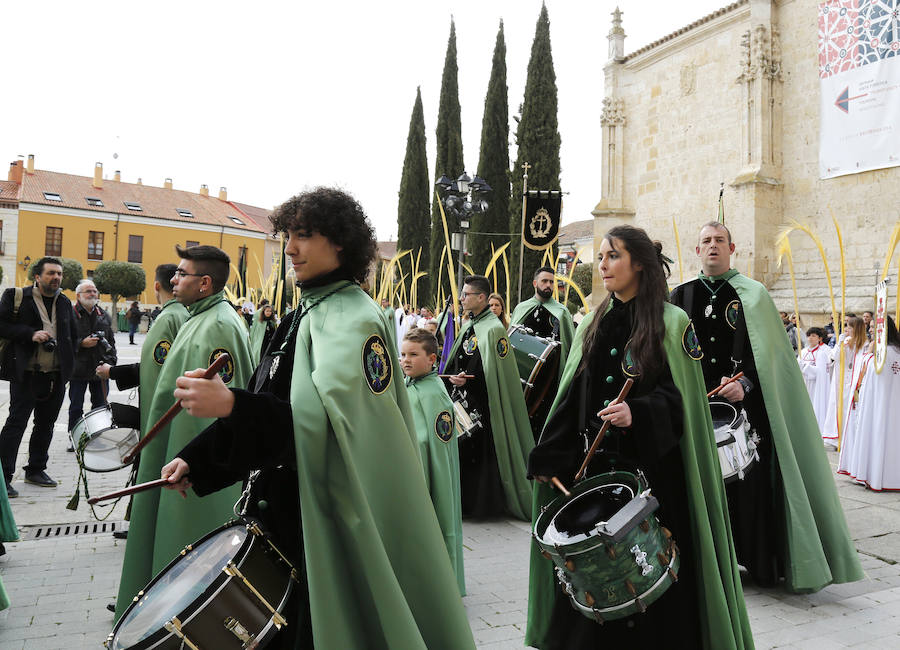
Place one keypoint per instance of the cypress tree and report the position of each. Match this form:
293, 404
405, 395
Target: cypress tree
493, 165
449, 156
537, 137
414, 199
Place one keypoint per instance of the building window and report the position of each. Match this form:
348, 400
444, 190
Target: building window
237, 221
136, 248
53, 241
52, 196
184, 213
190, 243
97, 203
134, 207
95, 245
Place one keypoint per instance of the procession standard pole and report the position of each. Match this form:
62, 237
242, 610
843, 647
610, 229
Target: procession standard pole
526, 167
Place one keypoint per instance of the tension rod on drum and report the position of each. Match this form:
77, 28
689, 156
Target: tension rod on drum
600, 435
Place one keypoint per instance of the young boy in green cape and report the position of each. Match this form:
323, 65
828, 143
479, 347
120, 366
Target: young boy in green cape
435, 427
327, 422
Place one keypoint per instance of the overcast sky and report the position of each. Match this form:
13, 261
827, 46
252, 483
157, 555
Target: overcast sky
291, 95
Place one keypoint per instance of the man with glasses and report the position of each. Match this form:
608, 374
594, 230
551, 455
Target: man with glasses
96, 345
492, 455
163, 523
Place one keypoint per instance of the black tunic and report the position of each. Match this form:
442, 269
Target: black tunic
258, 435
651, 444
753, 503
479, 473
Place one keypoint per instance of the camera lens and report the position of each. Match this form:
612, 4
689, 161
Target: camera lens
49, 345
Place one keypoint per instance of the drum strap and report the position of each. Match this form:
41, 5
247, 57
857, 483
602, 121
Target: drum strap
582, 410
737, 348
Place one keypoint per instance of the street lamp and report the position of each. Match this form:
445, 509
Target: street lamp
462, 198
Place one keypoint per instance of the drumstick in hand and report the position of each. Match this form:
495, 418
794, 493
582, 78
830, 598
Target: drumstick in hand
600, 434
715, 391
460, 376
211, 372
559, 486
134, 489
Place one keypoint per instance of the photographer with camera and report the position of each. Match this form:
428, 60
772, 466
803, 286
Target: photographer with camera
38, 323
97, 345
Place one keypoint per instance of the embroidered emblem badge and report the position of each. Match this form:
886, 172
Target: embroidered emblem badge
443, 426
226, 373
691, 343
274, 367
376, 365
502, 347
470, 345
629, 368
161, 350
732, 311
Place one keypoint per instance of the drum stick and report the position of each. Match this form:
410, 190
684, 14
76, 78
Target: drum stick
211, 372
134, 489
602, 433
559, 486
460, 376
715, 391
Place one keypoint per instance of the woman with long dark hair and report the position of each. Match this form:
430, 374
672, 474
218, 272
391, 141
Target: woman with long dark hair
498, 307
662, 430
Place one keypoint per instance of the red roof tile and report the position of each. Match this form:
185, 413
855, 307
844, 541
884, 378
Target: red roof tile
9, 190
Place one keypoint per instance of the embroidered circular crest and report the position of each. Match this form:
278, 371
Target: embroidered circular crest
732, 312
502, 347
226, 373
161, 350
470, 345
443, 426
376, 365
691, 343
629, 368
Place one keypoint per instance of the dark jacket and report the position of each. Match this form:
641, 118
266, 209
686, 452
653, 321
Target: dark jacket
87, 359
134, 315
20, 329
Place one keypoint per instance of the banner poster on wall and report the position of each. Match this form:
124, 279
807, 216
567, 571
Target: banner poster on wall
859, 81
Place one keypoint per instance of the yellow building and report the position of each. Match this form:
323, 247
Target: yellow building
92, 219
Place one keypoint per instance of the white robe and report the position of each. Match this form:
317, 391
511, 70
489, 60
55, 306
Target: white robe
876, 460
815, 363
851, 362
850, 443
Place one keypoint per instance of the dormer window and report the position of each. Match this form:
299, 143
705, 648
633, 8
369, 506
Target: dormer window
134, 207
237, 221
184, 213
94, 202
52, 196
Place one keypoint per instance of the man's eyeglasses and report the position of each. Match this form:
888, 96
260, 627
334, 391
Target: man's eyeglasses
180, 274
466, 294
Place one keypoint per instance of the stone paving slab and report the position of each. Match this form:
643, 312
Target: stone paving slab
60, 586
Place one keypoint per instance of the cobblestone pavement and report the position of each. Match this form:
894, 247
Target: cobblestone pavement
60, 584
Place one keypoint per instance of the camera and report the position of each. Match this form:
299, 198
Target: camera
106, 349
49, 345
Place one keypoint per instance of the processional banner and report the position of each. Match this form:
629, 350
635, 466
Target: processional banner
543, 211
859, 74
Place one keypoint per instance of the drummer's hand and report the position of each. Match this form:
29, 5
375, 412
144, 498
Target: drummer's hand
618, 415
542, 479
103, 370
204, 398
733, 392
177, 473
458, 380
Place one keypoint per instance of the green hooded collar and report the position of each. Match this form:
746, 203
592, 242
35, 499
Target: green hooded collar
410, 381
314, 295
206, 303
730, 273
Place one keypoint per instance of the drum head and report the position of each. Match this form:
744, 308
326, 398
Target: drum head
179, 586
724, 415
104, 449
582, 514
93, 421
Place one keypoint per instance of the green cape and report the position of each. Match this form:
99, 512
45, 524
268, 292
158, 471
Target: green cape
819, 547
723, 615
566, 327
377, 568
433, 415
154, 351
257, 333
162, 523
9, 532
510, 427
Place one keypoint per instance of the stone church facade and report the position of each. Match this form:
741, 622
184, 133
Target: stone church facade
733, 98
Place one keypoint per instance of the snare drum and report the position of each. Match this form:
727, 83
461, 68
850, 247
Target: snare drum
612, 556
735, 442
100, 442
226, 591
538, 361
467, 422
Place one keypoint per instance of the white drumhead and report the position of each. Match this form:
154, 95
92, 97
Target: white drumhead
104, 450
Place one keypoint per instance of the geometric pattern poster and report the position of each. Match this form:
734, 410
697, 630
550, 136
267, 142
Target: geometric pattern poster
859, 81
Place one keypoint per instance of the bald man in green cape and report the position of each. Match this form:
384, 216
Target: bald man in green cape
492, 459
786, 516
551, 320
161, 522
377, 574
